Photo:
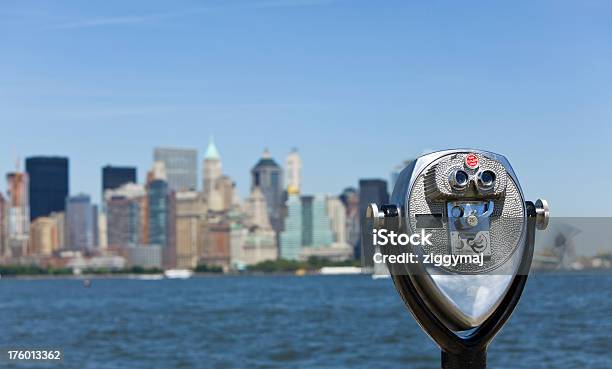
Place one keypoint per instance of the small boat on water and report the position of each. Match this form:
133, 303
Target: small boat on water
178, 273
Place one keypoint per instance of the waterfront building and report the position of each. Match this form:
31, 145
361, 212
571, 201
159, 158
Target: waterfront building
3, 228
59, 218
161, 219
216, 242
190, 214
226, 189
268, 176
181, 167
102, 232
145, 256
238, 233
48, 184
350, 199
291, 237
18, 207
253, 240
80, 221
212, 170
219, 189
337, 218
256, 209
293, 171
333, 252
259, 245
43, 236
126, 215
321, 232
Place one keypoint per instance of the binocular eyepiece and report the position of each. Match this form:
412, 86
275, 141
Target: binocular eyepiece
471, 205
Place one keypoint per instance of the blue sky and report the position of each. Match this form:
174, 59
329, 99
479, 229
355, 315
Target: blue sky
357, 86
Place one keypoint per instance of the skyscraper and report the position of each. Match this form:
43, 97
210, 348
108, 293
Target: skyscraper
48, 184
370, 191
3, 229
43, 236
18, 205
307, 226
253, 240
161, 219
125, 215
181, 167
113, 177
350, 199
256, 209
337, 218
218, 188
216, 245
308, 229
190, 216
321, 226
80, 222
212, 169
268, 176
291, 237
293, 170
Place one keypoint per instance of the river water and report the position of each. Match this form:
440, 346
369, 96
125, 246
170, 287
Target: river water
562, 321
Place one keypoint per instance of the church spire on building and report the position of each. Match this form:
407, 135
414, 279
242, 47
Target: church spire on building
211, 152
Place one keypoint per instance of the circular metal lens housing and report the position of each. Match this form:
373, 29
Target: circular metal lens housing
486, 179
459, 179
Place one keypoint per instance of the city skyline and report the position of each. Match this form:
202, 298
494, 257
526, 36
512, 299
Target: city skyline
534, 88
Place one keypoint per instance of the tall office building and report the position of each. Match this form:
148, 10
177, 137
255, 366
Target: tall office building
190, 216
337, 218
321, 226
59, 218
350, 199
256, 209
43, 236
3, 228
218, 188
48, 179
114, 177
309, 230
18, 216
212, 169
370, 191
293, 171
253, 240
216, 247
80, 222
307, 201
102, 231
268, 176
161, 219
125, 215
181, 167
291, 237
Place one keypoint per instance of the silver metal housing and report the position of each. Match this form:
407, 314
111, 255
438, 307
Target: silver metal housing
463, 297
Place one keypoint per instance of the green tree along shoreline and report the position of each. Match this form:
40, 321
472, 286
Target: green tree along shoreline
16, 270
271, 266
